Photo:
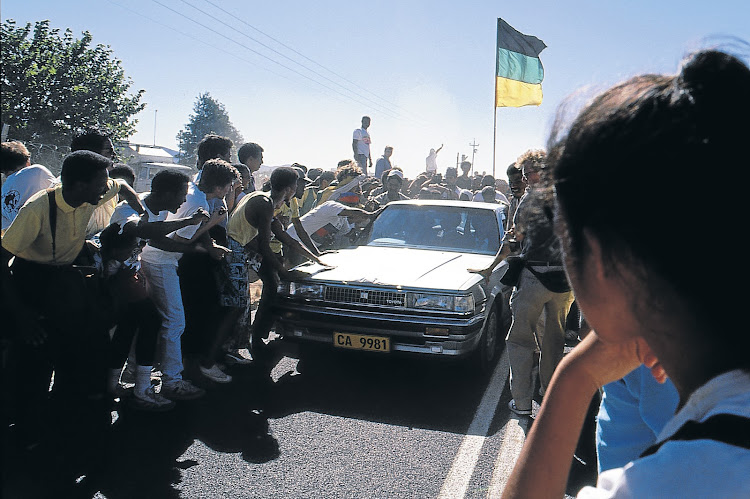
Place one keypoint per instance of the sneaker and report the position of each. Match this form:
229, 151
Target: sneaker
122, 390
149, 400
520, 412
127, 377
215, 374
181, 389
236, 357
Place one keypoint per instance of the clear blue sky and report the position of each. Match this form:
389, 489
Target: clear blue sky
428, 66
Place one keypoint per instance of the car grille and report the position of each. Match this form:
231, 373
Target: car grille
366, 296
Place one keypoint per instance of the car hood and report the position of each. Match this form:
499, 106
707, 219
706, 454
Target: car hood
404, 267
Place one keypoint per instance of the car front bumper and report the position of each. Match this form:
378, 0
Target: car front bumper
426, 334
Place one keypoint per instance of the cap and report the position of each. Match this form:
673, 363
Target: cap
395, 173
326, 175
302, 175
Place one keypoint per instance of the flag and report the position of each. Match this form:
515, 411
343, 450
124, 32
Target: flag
519, 72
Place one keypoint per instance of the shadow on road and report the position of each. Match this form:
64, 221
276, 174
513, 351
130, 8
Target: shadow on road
138, 454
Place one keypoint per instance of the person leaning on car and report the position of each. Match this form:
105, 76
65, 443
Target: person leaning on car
542, 287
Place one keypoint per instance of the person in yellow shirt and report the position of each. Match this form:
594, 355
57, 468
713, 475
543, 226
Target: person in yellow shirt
55, 314
99, 142
250, 228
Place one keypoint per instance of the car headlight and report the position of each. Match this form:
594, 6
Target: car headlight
305, 290
463, 303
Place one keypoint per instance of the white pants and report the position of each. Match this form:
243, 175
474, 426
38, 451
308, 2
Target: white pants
165, 291
528, 302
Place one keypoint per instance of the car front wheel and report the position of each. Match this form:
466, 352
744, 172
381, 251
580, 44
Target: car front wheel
486, 352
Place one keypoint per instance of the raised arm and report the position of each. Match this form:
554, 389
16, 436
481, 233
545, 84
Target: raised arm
544, 463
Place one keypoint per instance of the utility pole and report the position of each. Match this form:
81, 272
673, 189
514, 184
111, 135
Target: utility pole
474, 146
155, 111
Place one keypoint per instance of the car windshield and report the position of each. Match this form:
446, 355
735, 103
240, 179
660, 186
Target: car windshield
447, 228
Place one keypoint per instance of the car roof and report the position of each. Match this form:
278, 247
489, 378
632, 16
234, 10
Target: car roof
447, 202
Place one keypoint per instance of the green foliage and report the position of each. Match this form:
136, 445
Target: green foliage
54, 84
209, 116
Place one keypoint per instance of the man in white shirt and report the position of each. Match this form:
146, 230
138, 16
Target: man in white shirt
329, 221
489, 180
361, 145
22, 179
160, 267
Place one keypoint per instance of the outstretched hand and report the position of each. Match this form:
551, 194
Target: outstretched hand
217, 251
486, 273
200, 216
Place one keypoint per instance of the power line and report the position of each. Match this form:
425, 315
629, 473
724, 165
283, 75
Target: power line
234, 16
290, 59
188, 35
261, 54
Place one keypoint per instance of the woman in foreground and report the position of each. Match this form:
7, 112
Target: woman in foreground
654, 289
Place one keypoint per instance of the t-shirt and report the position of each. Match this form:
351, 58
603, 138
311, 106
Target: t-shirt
125, 214
323, 222
285, 214
382, 165
464, 182
195, 199
383, 199
431, 161
540, 242
499, 197
29, 236
238, 227
308, 201
689, 468
363, 141
20, 186
633, 412
101, 217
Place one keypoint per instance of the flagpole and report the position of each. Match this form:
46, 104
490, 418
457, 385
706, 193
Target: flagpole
494, 100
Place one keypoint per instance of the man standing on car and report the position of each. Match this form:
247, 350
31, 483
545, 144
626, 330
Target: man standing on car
361, 145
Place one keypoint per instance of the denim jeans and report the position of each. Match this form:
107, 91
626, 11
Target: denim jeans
165, 291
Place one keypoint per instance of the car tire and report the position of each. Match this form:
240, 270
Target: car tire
489, 344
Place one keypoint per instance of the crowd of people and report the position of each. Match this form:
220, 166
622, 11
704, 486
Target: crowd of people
132, 295
144, 282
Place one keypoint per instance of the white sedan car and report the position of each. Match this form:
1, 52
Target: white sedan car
407, 288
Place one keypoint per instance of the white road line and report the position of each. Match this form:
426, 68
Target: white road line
514, 435
458, 478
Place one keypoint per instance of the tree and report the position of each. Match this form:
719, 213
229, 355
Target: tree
54, 85
209, 116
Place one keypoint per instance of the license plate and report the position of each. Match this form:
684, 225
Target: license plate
362, 342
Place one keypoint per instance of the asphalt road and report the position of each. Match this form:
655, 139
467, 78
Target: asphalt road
345, 425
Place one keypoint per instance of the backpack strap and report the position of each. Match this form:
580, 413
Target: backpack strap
52, 219
726, 428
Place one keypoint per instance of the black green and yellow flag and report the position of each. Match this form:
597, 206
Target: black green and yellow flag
519, 71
